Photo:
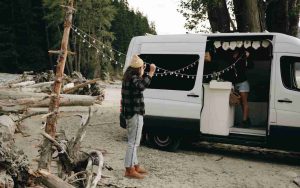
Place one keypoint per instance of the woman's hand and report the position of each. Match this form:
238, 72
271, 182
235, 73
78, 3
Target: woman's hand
152, 70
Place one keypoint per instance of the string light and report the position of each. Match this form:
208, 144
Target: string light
96, 40
165, 71
90, 44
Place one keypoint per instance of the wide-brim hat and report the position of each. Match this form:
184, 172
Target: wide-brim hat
136, 62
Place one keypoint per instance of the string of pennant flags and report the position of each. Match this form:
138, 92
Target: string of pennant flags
99, 46
239, 44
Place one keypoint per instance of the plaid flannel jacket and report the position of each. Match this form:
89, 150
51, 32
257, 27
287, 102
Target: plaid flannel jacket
132, 96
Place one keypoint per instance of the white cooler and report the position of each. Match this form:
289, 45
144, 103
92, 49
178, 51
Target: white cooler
217, 115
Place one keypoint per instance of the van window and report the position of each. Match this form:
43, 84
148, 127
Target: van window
174, 71
290, 72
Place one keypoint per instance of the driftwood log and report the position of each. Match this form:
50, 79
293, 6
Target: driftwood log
52, 181
78, 86
77, 166
16, 94
19, 101
13, 163
22, 84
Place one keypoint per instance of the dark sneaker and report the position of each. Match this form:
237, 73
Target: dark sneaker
246, 123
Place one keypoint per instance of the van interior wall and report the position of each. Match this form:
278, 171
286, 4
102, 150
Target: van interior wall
258, 77
259, 80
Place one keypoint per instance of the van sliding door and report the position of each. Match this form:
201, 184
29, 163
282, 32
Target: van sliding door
176, 88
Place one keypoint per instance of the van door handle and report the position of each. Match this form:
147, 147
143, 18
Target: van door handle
192, 95
285, 100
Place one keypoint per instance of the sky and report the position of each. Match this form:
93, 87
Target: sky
163, 13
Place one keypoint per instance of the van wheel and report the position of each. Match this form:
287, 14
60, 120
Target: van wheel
163, 142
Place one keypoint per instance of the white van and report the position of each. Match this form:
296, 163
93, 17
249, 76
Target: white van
184, 101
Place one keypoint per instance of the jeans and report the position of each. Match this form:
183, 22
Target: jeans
134, 133
243, 86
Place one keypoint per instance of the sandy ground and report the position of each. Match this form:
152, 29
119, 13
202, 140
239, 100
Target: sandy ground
188, 167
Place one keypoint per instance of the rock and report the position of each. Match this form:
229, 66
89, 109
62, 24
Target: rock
7, 125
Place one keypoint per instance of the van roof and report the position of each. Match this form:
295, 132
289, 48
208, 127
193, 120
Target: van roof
281, 42
279, 36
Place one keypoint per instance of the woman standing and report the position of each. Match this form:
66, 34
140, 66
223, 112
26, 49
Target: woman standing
241, 82
133, 109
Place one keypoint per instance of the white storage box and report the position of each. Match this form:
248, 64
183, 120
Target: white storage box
217, 115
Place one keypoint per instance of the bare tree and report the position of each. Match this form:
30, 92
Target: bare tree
46, 150
248, 17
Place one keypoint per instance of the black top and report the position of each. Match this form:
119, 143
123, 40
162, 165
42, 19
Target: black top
240, 68
237, 73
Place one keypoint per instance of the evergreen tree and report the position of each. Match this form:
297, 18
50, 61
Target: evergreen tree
22, 43
29, 28
128, 24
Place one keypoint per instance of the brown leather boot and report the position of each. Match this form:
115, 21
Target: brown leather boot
131, 173
140, 170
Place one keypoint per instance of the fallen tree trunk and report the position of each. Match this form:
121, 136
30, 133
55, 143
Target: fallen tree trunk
38, 88
22, 84
42, 100
17, 94
76, 87
52, 181
42, 84
20, 105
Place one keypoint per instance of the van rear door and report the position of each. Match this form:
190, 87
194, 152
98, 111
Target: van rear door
287, 99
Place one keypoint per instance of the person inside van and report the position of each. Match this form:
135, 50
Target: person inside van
210, 65
133, 109
239, 79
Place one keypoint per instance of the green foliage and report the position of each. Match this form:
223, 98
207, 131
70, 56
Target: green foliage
29, 28
22, 36
195, 12
128, 24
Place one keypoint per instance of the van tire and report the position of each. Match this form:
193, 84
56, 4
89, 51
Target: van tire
163, 142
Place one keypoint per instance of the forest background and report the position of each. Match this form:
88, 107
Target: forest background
29, 28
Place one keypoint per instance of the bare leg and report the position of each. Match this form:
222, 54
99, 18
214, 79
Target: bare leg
245, 106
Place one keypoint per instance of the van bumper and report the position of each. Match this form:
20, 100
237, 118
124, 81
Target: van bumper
171, 125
